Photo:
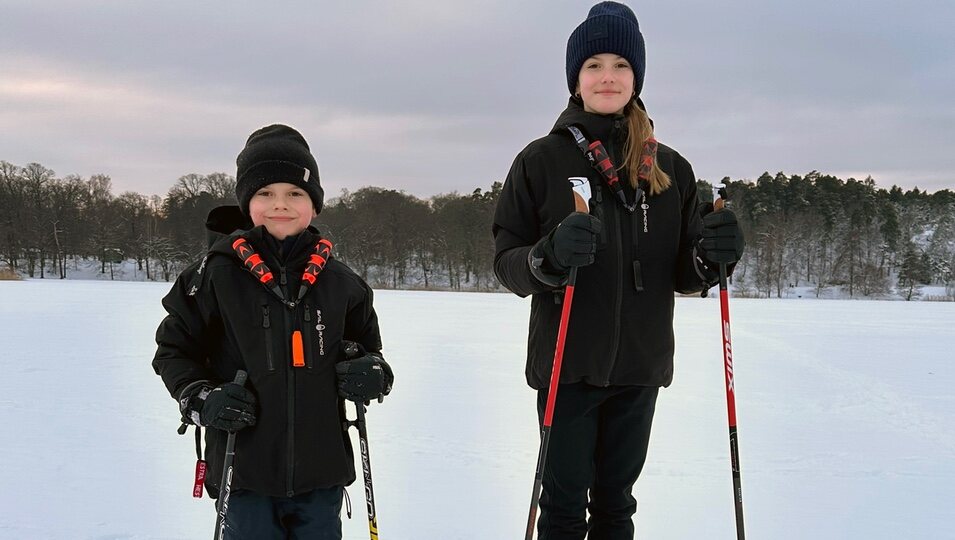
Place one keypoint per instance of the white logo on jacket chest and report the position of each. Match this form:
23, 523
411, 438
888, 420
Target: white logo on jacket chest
320, 328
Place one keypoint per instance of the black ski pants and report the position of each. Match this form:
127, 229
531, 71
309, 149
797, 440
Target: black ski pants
598, 445
314, 515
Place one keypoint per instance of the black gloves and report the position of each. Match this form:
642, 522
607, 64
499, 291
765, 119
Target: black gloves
573, 242
722, 241
363, 377
229, 406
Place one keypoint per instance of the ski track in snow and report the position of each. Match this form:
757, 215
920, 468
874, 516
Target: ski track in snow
845, 420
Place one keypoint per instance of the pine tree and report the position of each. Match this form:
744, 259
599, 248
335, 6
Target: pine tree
914, 272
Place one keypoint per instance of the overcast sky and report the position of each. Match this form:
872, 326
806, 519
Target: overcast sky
431, 97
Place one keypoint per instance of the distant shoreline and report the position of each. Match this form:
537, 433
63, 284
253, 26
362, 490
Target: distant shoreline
928, 293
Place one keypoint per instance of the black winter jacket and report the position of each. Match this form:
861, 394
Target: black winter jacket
616, 334
221, 319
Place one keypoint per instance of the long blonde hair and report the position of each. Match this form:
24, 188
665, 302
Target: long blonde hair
640, 130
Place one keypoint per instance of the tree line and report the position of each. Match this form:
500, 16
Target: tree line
821, 231
814, 229
391, 238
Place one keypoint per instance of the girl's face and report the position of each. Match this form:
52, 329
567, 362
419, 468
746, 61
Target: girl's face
605, 83
284, 209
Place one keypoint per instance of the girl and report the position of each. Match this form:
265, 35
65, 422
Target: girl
643, 240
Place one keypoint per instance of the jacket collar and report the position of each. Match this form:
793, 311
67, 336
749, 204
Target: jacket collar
599, 126
226, 223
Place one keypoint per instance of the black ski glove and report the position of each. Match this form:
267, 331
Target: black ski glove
573, 242
722, 241
363, 376
229, 406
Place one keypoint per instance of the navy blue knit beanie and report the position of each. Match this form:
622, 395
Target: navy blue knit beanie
610, 27
274, 154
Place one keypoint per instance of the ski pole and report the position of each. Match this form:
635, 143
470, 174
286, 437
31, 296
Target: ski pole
352, 351
719, 202
581, 188
225, 486
366, 471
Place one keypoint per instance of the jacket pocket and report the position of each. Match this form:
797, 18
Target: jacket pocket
267, 329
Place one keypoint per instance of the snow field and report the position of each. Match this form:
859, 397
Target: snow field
845, 413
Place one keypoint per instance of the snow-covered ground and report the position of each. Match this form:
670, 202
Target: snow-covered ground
128, 270
92, 269
846, 421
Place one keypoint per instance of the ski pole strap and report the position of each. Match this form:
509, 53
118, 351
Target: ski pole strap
599, 159
316, 263
347, 502
198, 442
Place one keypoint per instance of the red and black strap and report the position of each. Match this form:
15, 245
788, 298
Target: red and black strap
316, 263
599, 159
254, 263
647, 157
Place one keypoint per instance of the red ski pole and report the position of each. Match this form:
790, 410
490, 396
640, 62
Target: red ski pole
581, 187
719, 201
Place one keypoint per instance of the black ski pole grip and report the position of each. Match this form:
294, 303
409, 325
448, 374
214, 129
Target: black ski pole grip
240, 377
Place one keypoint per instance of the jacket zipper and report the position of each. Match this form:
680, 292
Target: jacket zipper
618, 299
290, 474
267, 325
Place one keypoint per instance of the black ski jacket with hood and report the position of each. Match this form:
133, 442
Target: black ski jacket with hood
616, 335
222, 319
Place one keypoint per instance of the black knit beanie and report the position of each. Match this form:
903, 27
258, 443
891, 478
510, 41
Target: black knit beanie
274, 154
610, 27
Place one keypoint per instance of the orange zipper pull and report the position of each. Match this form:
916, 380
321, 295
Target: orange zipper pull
298, 349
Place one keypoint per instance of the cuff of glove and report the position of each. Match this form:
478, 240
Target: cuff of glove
541, 267
708, 275
389, 376
191, 399
708, 272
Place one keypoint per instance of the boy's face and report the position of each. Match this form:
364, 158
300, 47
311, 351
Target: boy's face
284, 209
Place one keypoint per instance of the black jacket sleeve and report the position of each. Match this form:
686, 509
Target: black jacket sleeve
516, 229
361, 321
181, 355
688, 278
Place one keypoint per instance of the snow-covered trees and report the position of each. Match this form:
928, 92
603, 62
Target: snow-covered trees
814, 230
822, 231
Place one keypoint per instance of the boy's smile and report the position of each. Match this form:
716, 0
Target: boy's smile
284, 209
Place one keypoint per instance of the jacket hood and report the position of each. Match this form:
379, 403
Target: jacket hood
223, 221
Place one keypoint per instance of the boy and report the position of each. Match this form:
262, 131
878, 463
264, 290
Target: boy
269, 299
